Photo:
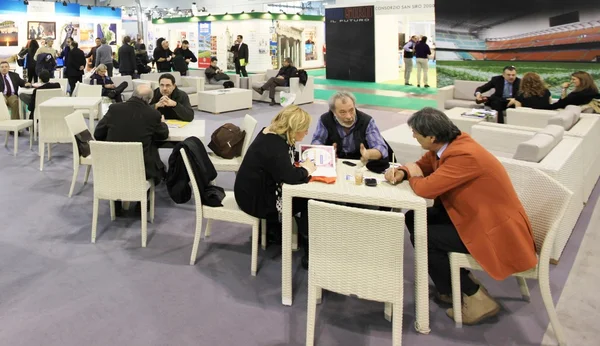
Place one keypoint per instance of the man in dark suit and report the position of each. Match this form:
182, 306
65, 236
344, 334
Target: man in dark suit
9, 84
282, 79
505, 86
30, 99
240, 56
126, 58
92, 53
136, 121
171, 102
75, 65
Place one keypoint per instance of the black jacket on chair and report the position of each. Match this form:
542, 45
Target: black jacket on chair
16, 80
178, 180
75, 60
497, 83
136, 121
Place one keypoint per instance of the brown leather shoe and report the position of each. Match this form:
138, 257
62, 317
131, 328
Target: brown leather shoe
476, 308
258, 90
447, 298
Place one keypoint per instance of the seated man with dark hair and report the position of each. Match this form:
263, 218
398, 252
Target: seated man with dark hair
170, 101
505, 86
282, 79
214, 75
476, 211
30, 99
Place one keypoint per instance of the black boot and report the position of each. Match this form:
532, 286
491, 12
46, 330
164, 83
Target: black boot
272, 103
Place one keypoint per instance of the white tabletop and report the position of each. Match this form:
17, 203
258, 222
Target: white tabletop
76, 102
384, 195
195, 128
225, 91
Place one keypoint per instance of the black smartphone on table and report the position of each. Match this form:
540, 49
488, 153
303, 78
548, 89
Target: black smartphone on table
351, 164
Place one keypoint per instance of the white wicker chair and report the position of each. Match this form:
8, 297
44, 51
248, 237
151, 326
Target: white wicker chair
229, 212
40, 97
64, 84
76, 125
532, 186
119, 174
233, 165
346, 259
52, 129
8, 125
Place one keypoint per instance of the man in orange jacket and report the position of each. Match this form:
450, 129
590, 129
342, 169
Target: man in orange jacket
476, 211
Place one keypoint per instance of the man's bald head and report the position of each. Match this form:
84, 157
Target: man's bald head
144, 92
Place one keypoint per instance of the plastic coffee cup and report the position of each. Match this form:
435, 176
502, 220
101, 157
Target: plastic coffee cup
358, 177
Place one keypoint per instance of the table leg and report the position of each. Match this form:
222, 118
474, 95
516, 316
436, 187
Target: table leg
92, 121
421, 272
286, 251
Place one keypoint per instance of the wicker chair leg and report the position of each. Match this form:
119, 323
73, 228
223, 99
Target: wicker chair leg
16, 147
152, 200
456, 294
113, 214
311, 313
524, 289
88, 168
397, 325
207, 229
42, 153
547, 298
263, 229
254, 265
144, 206
75, 173
197, 236
6, 139
49, 151
387, 311
319, 295
30, 137
94, 219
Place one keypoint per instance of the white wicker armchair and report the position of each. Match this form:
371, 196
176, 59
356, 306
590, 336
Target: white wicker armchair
76, 125
229, 212
563, 163
64, 84
14, 126
233, 165
119, 174
52, 129
347, 259
40, 97
532, 186
304, 93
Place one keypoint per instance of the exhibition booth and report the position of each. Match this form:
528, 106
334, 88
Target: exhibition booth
270, 38
38, 20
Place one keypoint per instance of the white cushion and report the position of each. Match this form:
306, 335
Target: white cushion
465, 89
449, 104
187, 90
576, 111
535, 149
563, 118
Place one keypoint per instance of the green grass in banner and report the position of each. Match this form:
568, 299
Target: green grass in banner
554, 73
318, 72
383, 101
374, 86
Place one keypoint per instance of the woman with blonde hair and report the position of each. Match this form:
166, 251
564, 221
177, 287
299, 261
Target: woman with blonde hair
109, 89
269, 163
532, 93
585, 91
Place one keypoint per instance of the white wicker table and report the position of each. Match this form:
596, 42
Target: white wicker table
224, 100
463, 123
92, 104
196, 128
384, 195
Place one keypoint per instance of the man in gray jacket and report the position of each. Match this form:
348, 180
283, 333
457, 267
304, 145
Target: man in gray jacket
104, 56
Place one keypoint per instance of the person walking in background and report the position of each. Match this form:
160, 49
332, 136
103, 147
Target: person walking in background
104, 56
533, 93
30, 61
423, 53
142, 60
75, 65
408, 53
127, 58
585, 91
187, 56
65, 53
240, 56
92, 54
163, 55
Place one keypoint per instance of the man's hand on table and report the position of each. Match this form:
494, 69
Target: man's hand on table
394, 176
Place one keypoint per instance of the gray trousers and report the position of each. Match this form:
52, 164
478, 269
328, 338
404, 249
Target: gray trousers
408, 66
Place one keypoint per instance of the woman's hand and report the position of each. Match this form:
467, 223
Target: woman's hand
309, 166
565, 85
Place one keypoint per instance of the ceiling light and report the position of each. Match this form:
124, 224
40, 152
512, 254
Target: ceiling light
89, 7
243, 12
112, 8
25, 2
298, 13
209, 14
269, 12
64, 3
226, 13
252, 11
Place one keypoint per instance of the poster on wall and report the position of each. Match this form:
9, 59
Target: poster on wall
310, 44
9, 36
545, 37
70, 29
288, 39
193, 40
87, 35
350, 27
204, 44
41, 30
107, 31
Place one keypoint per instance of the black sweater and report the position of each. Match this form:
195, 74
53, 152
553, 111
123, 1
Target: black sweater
182, 111
577, 98
266, 164
537, 102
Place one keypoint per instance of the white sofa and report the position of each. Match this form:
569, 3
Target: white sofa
190, 85
304, 93
576, 124
199, 73
547, 149
131, 84
461, 94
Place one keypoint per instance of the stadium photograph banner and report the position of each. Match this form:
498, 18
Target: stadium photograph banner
350, 37
475, 40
